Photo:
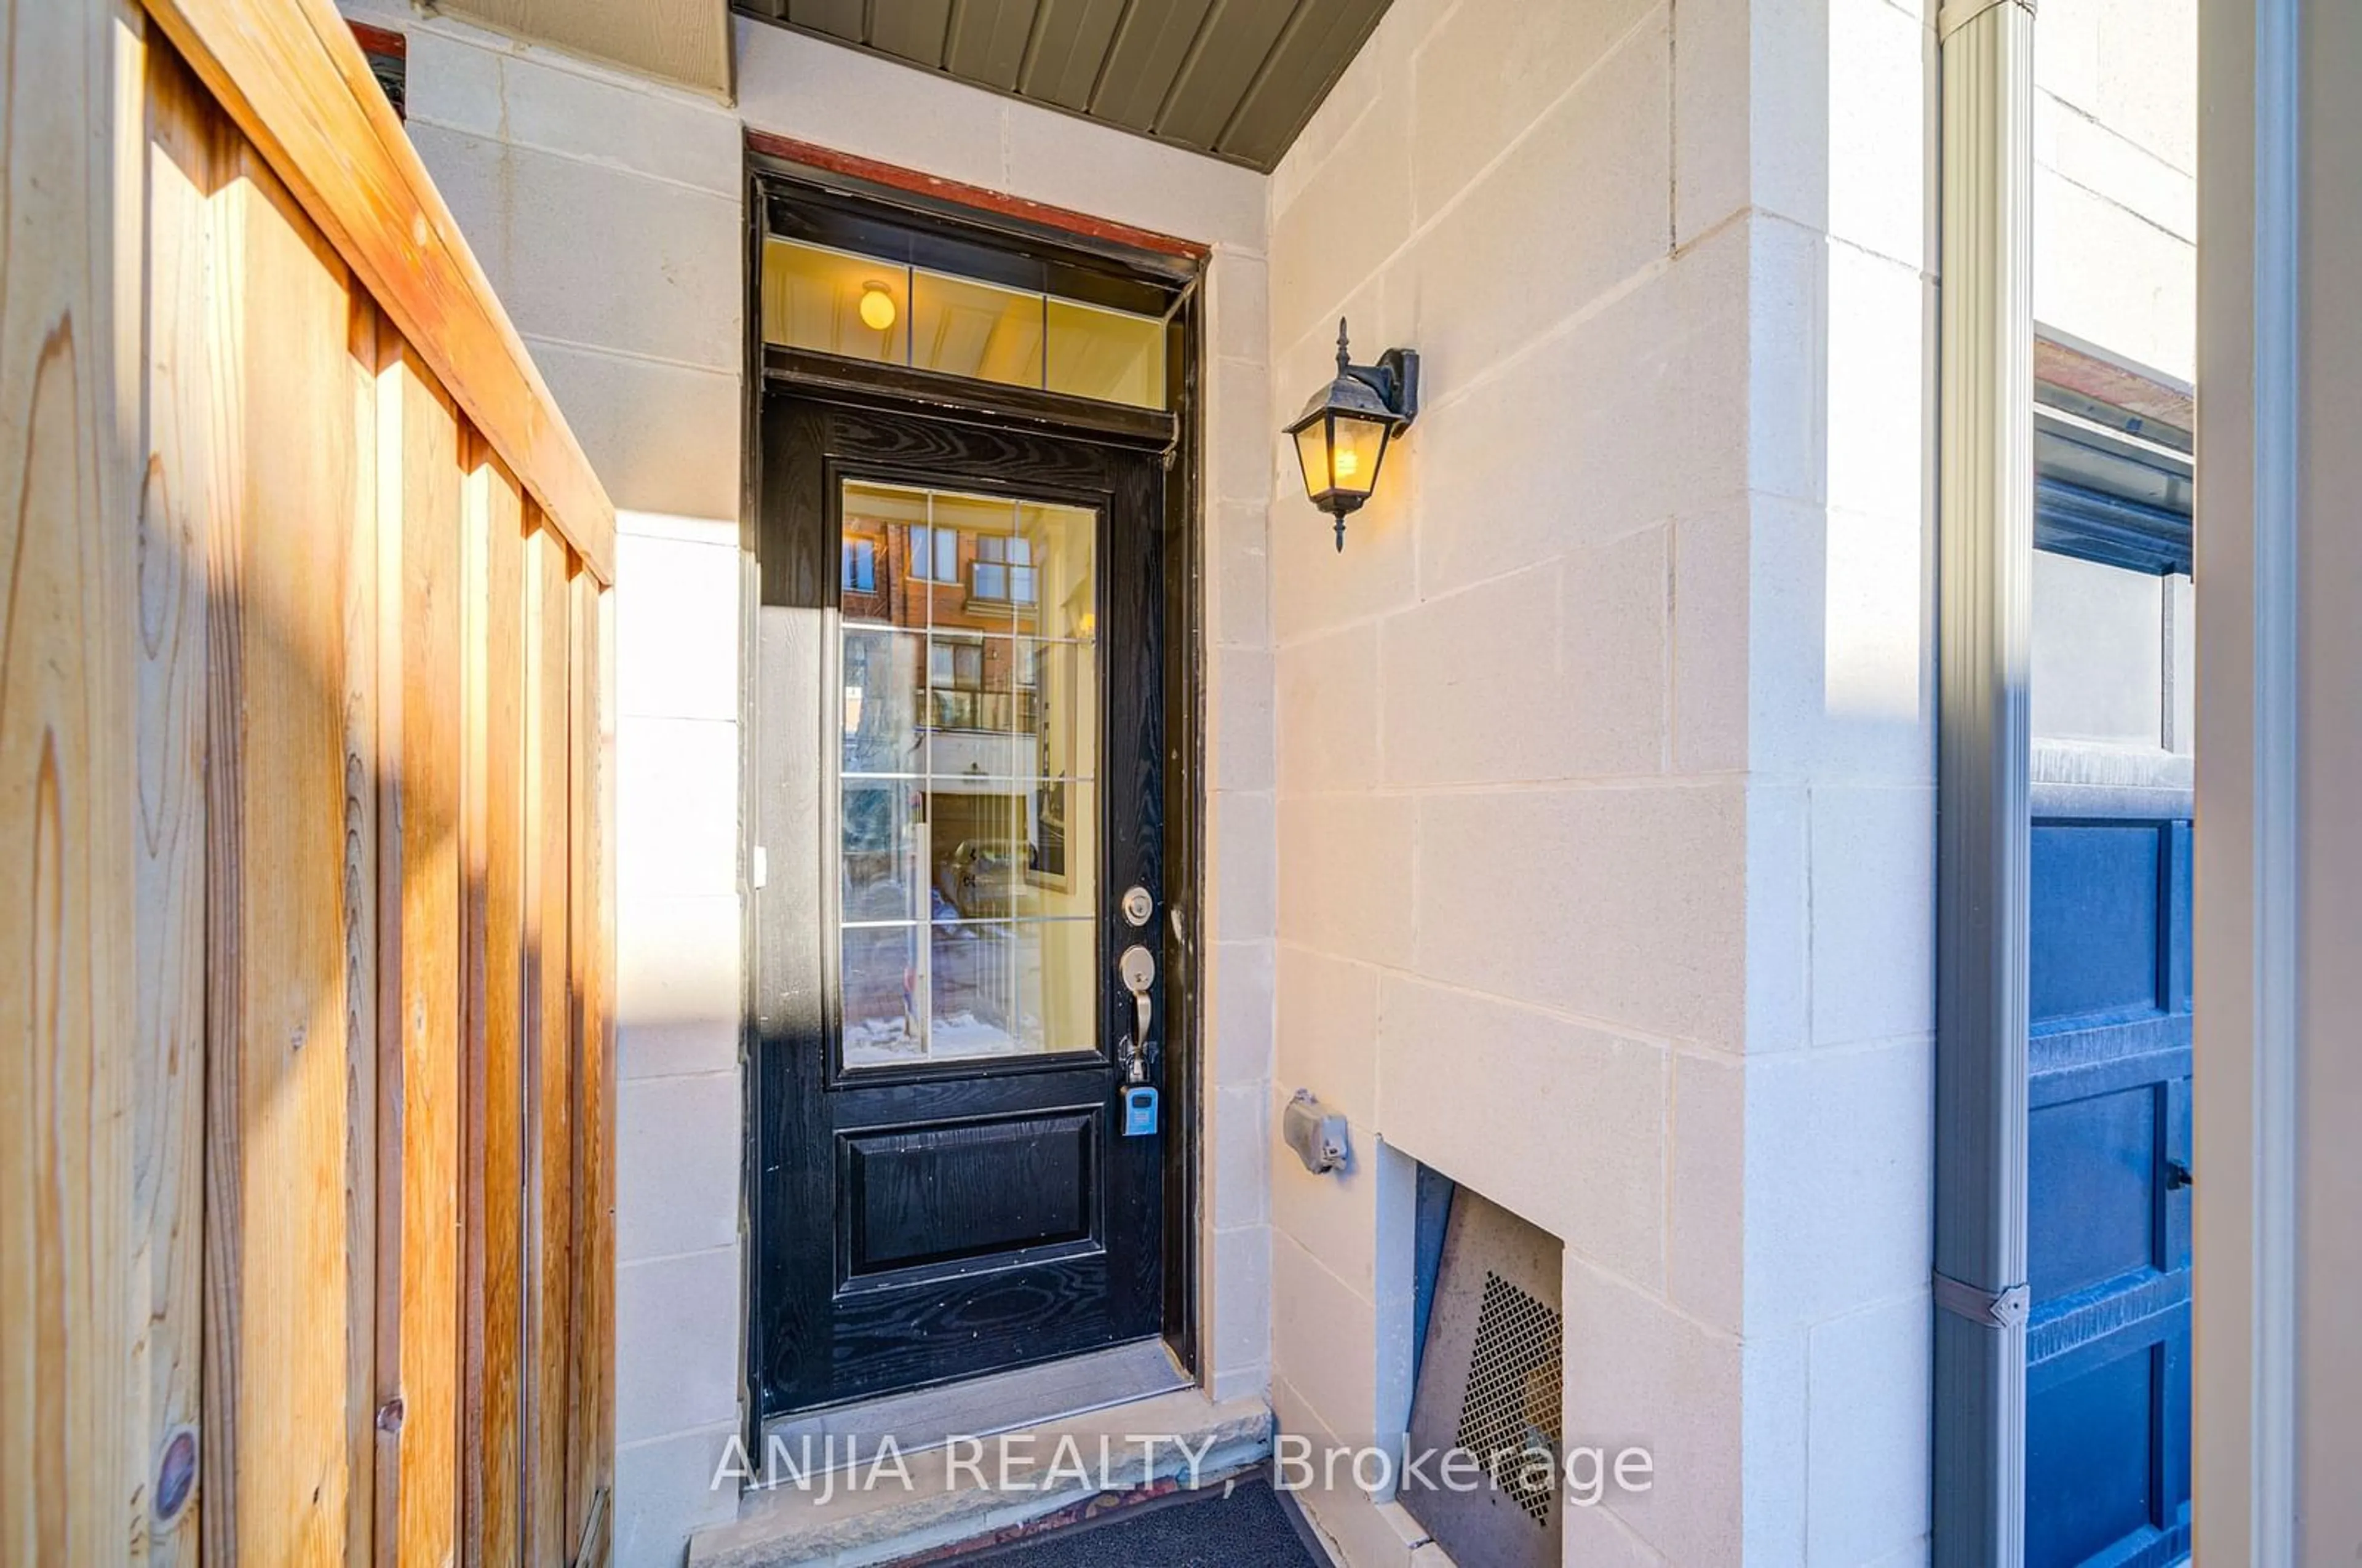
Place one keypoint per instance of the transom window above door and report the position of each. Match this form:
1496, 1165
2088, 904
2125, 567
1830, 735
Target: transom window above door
843, 281
859, 306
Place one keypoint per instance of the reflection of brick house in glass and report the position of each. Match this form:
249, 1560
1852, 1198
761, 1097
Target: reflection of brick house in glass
953, 581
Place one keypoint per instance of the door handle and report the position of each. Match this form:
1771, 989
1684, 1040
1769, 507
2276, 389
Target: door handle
1137, 968
2178, 1175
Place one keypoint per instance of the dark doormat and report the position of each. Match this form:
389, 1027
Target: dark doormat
1250, 1527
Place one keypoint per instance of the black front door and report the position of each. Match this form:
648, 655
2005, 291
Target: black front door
956, 770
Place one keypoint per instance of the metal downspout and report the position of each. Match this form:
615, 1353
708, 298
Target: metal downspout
1985, 500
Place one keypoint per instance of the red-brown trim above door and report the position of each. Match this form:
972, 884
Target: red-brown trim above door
380, 40
2068, 363
813, 156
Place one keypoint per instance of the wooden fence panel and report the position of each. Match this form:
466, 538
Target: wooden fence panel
420, 891
289, 72
305, 1138
290, 819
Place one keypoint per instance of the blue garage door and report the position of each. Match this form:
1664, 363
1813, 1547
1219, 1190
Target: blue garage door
2108, 1344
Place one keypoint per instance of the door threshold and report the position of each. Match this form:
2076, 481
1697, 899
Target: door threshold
983, 1406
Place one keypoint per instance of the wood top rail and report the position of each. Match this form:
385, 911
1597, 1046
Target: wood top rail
289, 72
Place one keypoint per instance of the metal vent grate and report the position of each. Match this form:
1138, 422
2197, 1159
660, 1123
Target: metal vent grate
1489, 1385
1509, 1412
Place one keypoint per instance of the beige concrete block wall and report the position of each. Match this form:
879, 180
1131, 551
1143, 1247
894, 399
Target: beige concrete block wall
2115, 265
607, 210
1837, 1134
1606, 747
2117, 189
2099, 668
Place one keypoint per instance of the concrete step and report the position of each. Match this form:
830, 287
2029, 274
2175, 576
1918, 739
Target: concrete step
892, 1506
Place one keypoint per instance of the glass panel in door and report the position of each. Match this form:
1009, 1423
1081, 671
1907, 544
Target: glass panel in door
967, 795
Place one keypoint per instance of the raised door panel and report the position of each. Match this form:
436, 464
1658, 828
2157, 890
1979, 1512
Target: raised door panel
964, 1193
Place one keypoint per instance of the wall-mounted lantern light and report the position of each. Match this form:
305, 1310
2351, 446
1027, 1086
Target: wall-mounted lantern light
1341, 436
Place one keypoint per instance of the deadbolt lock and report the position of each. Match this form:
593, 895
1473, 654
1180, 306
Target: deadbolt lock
1139, 906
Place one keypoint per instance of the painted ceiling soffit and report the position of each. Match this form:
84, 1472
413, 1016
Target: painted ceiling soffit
1235, 80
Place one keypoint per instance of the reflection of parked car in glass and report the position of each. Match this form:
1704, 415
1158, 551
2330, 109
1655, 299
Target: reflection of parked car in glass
986, 878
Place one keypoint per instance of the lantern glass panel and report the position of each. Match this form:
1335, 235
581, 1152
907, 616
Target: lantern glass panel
1312, 454
1354, 452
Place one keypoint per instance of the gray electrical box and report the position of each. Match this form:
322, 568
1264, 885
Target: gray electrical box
1319, 1139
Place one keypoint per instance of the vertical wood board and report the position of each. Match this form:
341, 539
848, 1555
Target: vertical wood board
497, 1424
549, 1150
420, 894
180, 137
363, 670
68, 1460
278, 1460
591, 1373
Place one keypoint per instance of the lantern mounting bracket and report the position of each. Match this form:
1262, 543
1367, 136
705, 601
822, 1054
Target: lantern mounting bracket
1379, 400
1395, 378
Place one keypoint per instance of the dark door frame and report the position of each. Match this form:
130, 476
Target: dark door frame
1091, 256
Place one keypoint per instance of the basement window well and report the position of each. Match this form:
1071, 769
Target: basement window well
1490, 1380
